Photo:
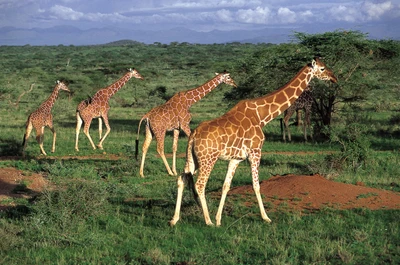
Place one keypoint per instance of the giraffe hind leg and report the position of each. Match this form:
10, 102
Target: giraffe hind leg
145, 147
77, 130
40, 139
28, 131
108, 129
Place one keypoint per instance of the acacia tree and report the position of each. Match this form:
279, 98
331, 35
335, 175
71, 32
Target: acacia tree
352, 57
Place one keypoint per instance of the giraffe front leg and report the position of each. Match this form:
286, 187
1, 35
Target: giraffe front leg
176, 216
100, 127
53, 148
227, 184
254, 158
174, 149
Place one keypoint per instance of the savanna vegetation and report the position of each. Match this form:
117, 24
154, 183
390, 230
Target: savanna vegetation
98, 210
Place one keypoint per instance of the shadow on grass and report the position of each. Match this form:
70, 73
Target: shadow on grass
10, 147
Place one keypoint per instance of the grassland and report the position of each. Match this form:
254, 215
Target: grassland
98, 210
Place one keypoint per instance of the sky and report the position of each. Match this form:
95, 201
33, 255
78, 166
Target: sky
202, 15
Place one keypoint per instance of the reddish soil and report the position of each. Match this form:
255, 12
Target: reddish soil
15, 184
296, 192
292, 192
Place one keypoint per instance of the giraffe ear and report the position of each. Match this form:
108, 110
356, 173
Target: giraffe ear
58, 81
313, 63
216, 73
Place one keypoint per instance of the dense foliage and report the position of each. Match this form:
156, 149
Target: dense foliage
97, 210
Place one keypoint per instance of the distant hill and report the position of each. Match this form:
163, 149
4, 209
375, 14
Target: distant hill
123, 43
69, 35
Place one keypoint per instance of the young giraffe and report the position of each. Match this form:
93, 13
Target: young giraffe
41, 118
174, 115
305, 102
98, 107
238, 135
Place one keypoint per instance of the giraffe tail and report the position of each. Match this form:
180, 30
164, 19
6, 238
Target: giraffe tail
188, 179
137, 140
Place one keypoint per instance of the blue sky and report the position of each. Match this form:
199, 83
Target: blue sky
200, 15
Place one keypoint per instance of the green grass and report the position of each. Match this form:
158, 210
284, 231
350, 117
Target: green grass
99, 211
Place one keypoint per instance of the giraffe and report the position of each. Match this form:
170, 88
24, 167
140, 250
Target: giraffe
305, 102
41, 118
174, 115
238, 135
97, 107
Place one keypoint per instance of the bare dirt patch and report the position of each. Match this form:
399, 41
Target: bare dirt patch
292, 192
15, 183
296, 192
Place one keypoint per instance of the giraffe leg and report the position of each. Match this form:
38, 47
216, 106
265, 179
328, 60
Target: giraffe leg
286, 129
174, 149
53, 148
77, 130
28, 131
176, 216
307, 125
145, 147
40, 138
100, 127
227, 184
100, 145
160, 150
254, 158
86, 132
204, 172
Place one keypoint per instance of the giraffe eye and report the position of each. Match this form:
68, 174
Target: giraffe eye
322, 69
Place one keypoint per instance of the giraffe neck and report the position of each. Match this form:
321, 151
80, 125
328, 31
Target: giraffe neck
49, 103
273, 104
113, 88
195, 94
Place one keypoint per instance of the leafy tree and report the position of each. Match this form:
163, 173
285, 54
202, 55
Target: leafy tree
353, 58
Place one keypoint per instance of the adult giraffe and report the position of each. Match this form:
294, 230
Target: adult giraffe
41, 118
174, 115
98, 107
238, 135
304, 102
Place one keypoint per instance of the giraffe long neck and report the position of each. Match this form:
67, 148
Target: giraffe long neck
49, 103
113, 88
273, 104
195, 94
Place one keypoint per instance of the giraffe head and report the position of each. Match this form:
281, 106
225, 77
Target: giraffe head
226, 78
322, 72
135, 73
62, 86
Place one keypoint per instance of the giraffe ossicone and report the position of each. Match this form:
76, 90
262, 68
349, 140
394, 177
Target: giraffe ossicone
97, 106
174, 116
41, 118
237, 135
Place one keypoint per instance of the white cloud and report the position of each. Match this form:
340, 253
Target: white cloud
66, 13
224, 15
345, 13
286, 16
376, 11
260, 15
